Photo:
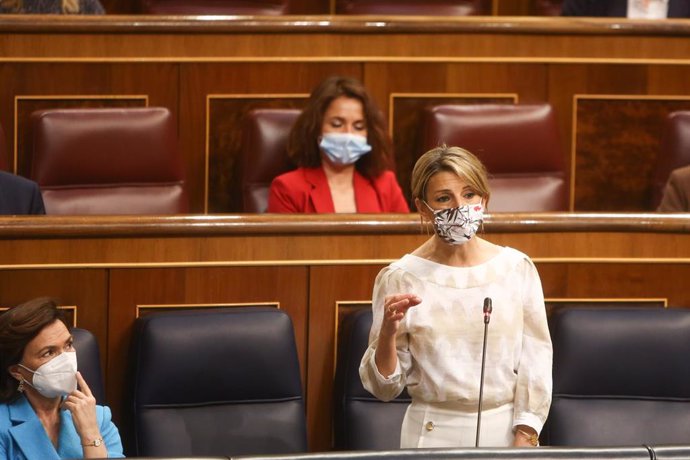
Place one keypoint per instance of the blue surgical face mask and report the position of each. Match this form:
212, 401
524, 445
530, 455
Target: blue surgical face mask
344, 148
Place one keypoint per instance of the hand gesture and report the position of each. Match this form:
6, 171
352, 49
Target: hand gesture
394, 309
82, 404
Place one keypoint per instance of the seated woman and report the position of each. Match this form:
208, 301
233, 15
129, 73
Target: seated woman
51, 7
676, 196
47, 410
343, 152
427, 328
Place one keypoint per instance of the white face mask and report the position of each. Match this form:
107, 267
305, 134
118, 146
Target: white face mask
457, 225
344, 148
57, 377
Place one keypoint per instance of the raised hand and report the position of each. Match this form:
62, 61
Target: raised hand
394, 309
82, 404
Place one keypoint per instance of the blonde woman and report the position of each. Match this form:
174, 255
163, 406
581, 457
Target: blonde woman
51, 7
428, 321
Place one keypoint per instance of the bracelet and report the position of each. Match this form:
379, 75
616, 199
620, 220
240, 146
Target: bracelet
532, 438
95, 443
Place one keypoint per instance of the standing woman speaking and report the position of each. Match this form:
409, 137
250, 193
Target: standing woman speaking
428, 328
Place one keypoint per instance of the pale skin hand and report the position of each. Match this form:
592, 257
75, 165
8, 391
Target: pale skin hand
394, 309
82, 404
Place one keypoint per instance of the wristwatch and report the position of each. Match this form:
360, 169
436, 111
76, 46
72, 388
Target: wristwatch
95, 443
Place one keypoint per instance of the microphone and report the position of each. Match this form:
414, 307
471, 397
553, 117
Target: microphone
487, 317
487, 310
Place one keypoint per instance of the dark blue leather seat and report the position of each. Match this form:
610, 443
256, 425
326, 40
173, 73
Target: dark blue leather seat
621, 377
89, 362
217, 382
362, 422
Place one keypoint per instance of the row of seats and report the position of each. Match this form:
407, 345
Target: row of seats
527, 172
227, 382
385, 7
126, 161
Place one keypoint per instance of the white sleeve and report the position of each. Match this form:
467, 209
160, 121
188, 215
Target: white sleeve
534, 383
384, 388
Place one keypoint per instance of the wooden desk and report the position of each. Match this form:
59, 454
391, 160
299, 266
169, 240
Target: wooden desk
113, 269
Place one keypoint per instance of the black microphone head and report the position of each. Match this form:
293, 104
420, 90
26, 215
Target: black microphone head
487, 305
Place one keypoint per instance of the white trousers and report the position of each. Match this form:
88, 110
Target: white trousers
450, 424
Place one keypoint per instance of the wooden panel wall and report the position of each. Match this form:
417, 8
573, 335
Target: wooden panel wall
611, 89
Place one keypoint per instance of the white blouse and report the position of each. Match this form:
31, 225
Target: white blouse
439, 342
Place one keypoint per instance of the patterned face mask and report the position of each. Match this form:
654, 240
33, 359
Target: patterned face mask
457, 225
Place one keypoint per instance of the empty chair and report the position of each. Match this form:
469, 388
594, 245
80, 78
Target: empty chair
362, 422
519, 144
264, 153
217, 382
108, 161
620, 377
675, 152
414, 7
211, 7
89, 362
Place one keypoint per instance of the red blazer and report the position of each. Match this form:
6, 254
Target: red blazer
306, 190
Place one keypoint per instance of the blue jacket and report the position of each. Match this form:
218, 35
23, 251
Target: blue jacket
22, 437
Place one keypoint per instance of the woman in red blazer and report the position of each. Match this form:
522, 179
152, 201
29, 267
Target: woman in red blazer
343, 153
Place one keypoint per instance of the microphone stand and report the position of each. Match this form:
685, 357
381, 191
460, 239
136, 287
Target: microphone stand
487, 317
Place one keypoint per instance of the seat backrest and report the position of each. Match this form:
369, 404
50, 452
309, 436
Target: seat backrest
362, 422
264, 153
675, 152
108, 161
518, 144
213, 7
548, 7
620, 377
89, 362
415, 7
217, 382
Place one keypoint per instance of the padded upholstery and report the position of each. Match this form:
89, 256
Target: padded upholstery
206, 7
414, 7
89, 362
621, 377
675, 152
548, 7
362, 422
217, 382
108, 161
264, 153
518, 144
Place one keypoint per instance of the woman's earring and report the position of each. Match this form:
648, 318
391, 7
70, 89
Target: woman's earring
20, 387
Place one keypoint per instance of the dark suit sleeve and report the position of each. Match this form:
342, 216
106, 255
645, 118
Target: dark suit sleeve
36, 206
591, 8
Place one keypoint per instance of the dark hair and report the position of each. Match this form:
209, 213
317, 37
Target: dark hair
303, 146
19, 326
